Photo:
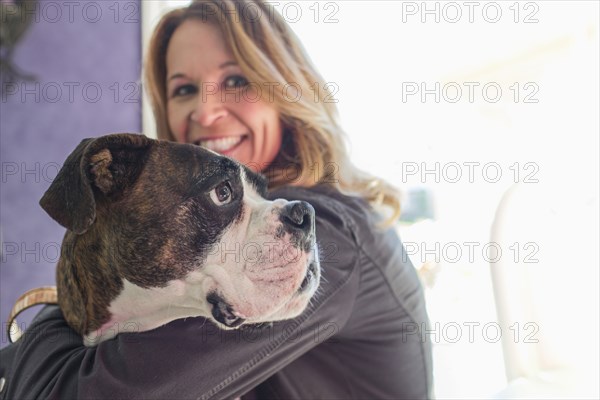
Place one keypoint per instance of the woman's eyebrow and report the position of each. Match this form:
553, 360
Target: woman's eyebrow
228, 64
176, 75
224, 65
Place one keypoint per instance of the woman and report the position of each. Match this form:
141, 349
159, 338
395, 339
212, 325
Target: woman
216, 73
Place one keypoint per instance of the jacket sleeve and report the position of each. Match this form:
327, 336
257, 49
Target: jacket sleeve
188, 358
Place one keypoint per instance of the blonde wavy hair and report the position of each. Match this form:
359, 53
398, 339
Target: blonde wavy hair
268, 51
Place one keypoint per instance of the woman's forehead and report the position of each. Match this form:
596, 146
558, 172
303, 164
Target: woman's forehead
197, 46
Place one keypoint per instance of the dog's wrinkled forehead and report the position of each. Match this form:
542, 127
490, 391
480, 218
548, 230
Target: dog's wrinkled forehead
185, 164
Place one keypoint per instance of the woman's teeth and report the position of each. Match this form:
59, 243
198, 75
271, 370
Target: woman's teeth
222, 144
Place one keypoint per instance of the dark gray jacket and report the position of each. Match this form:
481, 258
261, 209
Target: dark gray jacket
361, 337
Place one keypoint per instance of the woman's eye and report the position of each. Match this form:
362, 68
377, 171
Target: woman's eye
184, 90
235, 81
221, 194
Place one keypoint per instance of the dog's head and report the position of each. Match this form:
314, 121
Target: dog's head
158, 231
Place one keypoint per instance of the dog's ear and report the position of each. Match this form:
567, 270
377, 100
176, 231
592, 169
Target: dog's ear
106, 164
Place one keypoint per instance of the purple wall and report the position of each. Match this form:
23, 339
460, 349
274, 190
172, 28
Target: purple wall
86, 57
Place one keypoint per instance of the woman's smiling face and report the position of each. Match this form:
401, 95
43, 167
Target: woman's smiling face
210, 103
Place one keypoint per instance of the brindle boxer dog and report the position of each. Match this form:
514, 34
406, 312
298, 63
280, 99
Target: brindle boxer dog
158, 231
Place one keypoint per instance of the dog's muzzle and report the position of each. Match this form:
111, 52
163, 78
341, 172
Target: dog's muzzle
298, 218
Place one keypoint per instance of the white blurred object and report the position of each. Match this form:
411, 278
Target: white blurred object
547, 287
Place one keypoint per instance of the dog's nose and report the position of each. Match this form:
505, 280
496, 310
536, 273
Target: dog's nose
298, 219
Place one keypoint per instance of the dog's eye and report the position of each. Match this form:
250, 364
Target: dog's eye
221, 194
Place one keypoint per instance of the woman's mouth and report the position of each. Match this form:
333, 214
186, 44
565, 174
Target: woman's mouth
222, 145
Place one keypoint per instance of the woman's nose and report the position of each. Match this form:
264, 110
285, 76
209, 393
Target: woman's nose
209, 109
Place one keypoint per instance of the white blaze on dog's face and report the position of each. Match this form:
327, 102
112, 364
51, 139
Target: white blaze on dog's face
265, 266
